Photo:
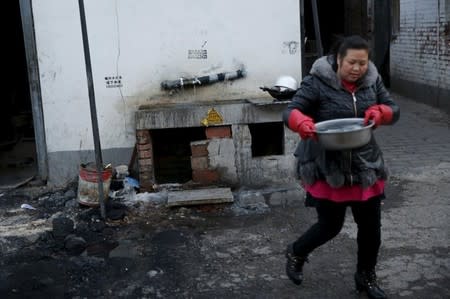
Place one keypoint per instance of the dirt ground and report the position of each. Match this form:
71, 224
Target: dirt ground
65, 250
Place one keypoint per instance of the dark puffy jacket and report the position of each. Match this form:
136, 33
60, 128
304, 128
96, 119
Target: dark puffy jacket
322, 97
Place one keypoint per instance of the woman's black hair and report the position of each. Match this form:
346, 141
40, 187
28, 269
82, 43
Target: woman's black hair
342, 44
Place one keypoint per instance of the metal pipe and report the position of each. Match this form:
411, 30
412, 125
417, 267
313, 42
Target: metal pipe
317, 28
97, 146
204, 80
302, 37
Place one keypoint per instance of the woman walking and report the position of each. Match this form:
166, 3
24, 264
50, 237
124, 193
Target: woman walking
345, 84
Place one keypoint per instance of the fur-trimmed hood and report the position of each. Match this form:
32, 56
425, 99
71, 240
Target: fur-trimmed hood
323, 69
322, 97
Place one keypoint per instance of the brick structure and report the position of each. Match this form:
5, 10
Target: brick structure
218, 132
205, 176
199, 149
213, 160
202, 172
144, 149
206, 153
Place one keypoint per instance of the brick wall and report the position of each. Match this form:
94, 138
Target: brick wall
145, 160
213, 160
201, 171
420, 54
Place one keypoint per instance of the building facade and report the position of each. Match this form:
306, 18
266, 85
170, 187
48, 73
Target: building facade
156, 55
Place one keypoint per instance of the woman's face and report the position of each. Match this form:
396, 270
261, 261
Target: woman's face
354, 65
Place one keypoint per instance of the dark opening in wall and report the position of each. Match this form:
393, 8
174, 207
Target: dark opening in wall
267, 139
172, 153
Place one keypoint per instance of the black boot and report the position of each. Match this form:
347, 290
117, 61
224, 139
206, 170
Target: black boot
367, 281
294, 265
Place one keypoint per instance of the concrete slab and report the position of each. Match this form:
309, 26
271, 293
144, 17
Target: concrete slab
199, 196
269, 101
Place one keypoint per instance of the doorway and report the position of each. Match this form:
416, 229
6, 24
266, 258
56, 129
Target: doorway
335, 19
18, 160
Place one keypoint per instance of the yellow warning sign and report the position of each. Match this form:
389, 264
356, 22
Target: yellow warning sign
212, 118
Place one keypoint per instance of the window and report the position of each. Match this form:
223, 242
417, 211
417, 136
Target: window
267, 139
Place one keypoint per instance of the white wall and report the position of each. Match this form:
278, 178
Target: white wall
147, 42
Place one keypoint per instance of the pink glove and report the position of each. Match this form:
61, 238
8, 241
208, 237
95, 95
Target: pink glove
379, 114
302, 124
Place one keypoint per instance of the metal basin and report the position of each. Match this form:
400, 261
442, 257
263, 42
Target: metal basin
343, 133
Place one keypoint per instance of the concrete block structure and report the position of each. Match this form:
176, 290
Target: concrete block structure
250, 147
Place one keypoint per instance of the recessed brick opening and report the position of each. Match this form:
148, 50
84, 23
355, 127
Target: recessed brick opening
267, 138
172, 153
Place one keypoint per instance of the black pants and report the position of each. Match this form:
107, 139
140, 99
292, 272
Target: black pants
331, 218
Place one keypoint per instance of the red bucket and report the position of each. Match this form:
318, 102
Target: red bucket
88, 184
